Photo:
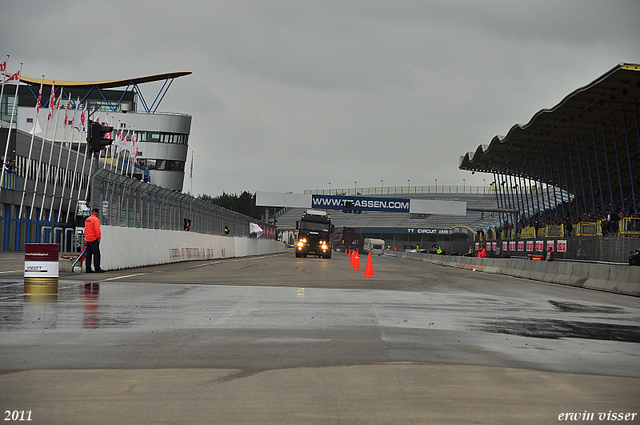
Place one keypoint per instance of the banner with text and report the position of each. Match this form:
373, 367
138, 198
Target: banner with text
360, 203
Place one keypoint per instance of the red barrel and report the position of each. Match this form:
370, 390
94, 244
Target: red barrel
41, 268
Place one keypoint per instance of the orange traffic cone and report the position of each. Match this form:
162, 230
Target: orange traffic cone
356, 262
351, 255
368, 270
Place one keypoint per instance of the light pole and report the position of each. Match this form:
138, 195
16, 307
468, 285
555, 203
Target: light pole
356, 183
464, 185
382, 186
436, 185
408, 185
329, 188
484, 185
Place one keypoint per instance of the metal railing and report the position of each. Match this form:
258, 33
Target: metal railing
128, 202
403, 190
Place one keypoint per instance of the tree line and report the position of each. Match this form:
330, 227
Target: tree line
245, 203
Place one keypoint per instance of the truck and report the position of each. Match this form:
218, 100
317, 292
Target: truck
346, 238
314, 234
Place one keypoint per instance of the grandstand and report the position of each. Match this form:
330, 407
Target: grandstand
573, 171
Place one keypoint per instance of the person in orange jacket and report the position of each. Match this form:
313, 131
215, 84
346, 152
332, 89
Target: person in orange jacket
482, 253
92, 236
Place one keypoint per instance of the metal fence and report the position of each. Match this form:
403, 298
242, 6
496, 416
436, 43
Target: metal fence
127, 202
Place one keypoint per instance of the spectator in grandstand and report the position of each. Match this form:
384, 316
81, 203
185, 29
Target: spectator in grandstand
568, 227
613, 218
13, 168
604, 225
634, 258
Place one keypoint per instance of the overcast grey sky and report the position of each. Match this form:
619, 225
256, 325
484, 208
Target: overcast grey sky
292, 95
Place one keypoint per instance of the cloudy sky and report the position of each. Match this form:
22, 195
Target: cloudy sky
289, 95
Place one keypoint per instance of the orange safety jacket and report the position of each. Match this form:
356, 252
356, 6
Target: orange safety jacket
92, 229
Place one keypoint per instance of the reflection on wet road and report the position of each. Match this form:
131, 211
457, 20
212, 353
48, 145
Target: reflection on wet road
120, 324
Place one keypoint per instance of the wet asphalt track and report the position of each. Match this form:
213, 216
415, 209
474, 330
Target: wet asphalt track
280, 313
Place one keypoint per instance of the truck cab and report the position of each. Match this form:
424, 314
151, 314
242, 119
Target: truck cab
314, 234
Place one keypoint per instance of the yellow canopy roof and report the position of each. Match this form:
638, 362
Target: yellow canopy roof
107, 83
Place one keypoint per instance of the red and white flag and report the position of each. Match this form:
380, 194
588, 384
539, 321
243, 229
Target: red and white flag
39, 99
126, 140
52, 102
118, 141
3, 66
134, 148
74, 120
14, 77
83, 121
66, 111
56, 107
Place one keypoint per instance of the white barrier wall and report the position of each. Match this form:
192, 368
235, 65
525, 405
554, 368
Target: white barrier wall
620, 279
124, 247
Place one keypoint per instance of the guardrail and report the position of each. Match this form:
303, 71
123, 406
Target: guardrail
404, 190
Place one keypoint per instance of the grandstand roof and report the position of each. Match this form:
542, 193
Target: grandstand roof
106, 84
602, 115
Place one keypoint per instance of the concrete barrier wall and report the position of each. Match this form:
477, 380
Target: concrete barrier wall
620, 279
124, 247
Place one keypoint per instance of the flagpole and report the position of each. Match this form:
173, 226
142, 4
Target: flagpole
35, 189
4, 77
30, 164
133, 146
83, 140
66, 174
127, 159
111, 148
53, 143
13, 108
75, 166
52, 113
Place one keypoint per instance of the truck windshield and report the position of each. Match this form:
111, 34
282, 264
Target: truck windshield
318, 227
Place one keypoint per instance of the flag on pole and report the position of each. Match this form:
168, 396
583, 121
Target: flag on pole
3, 66
83, 121
39, 99
134, 147
118, 141
126, 141
57, 107
74, 120
254, 228
14, 77
66, 112
52, 102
